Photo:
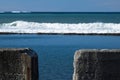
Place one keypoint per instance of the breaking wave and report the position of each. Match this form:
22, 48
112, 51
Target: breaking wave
35, 27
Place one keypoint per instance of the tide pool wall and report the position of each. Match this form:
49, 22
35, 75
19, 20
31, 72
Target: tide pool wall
97, 64
18, 64
89, 64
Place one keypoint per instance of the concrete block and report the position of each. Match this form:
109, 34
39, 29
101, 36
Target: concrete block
94, 64
18, 64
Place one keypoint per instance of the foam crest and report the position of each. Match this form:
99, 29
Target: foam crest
35, 27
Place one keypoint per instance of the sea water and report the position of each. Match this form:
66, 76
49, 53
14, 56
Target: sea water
60, 23
56, 52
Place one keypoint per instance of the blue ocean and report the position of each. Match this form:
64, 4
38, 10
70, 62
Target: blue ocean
55, 52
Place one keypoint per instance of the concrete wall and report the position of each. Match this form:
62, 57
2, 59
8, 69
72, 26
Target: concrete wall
96, 64
18, 64
22, 64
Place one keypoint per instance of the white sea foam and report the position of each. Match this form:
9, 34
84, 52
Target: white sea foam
20, 12
16, 11
35, 27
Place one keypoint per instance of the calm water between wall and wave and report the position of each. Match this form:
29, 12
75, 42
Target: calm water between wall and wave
56, 51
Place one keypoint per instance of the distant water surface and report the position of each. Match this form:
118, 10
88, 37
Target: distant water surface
63, 17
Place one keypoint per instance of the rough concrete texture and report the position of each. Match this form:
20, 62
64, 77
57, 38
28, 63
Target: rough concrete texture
96, 64
18, 64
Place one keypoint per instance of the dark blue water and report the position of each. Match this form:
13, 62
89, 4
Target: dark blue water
56, 52
61, 17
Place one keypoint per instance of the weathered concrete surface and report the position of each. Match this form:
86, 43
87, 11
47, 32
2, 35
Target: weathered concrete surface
96, 64
18, 64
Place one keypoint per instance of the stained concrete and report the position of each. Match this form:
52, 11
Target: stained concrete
18, 64
94, 64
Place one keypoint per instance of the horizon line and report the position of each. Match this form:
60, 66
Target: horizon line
56, 12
